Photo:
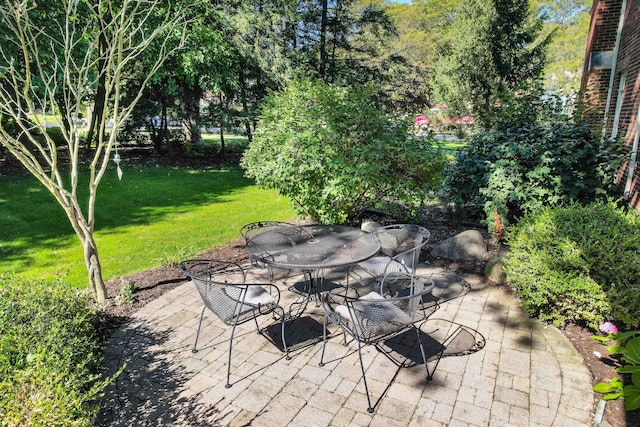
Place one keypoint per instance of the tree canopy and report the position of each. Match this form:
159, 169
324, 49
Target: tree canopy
493, 54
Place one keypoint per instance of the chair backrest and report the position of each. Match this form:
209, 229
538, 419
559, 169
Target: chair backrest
391, 308
407, 289
221, 285
402, 242
249, 230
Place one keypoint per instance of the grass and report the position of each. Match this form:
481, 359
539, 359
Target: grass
232, 142
454, 145
151, 217
49, 118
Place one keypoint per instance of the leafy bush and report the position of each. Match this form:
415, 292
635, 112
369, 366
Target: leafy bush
48, 355
578, 264
334, 153
528, 160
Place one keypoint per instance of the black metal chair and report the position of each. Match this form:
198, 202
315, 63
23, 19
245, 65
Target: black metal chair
400, 246
373, 315
248, 231
224, 290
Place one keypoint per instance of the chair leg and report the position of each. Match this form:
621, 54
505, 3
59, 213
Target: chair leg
284, 341
194, 350
364, 378
324, 340
233, 329
424, 357
255, 320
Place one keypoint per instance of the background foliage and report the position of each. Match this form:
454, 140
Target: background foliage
492, 51
578, 264
335, 153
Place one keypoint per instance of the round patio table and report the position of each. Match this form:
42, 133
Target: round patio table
313, 247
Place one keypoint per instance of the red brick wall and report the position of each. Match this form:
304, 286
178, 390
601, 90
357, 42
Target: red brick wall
605, 16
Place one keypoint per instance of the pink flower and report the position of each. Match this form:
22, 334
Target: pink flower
608, 328
421, 120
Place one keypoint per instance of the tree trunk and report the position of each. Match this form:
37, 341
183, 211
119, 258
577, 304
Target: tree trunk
84, 231
222, 147
191, 122
98, 110
101, 92
243, 99
323, 40
96, 283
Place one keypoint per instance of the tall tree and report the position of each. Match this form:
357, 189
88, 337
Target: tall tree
492, 55
568, 20
61, 64
206, 63
261, 32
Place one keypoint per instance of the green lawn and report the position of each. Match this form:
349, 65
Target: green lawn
237, 143
454, 145
152, 215
443, 142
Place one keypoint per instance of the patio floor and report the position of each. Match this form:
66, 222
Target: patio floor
501, 369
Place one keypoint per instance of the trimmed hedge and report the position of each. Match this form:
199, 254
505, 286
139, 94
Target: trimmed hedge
579, 264
49, 354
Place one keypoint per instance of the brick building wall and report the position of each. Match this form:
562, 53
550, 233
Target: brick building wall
617, 100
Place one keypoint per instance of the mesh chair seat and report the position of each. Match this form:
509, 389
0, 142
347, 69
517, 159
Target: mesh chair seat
235, 303
400, 247
372, 316
379, 265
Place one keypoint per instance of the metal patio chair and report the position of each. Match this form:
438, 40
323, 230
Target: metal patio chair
248, 231
224, 290
378, 314
400, 246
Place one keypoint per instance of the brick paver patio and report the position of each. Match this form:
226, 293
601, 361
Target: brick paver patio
527, 374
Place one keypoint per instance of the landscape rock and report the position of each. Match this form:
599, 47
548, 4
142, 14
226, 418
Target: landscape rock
494, 270
369, 225
468, 245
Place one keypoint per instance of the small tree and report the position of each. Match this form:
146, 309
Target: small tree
61, 62
334, 153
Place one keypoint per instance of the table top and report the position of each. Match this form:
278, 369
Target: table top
313, 246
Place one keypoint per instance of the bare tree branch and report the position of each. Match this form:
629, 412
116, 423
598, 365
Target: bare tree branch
59, 63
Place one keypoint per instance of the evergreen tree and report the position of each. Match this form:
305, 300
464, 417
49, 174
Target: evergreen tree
493, 55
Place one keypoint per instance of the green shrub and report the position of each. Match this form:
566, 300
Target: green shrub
578, 264
49, 355
55, 133
334, 152
528, 160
